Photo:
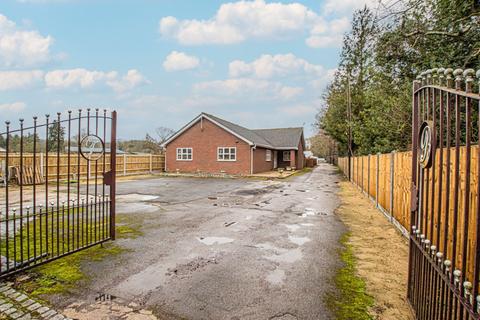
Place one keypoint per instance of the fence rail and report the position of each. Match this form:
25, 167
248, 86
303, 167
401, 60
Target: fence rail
386, 179
126, 164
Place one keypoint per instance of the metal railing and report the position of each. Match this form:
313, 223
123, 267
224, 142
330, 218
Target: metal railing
47, 216
443, 280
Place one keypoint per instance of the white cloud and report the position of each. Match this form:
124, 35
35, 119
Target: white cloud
20, 47
131, 80
177, 61
269, 66
299, 110
10, 80
12, 107
77, 77
246, 87
347, 6
328, 34
236, 21
83, 78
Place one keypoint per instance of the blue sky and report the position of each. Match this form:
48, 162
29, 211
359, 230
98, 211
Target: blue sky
160, 63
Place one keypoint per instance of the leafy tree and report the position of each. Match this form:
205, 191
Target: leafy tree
56, 137
382, 55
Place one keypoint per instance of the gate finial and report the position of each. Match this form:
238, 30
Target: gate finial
434, 76
441, 76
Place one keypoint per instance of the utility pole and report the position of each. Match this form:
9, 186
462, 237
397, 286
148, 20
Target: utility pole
349, 116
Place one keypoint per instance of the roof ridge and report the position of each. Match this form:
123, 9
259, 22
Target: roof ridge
237, 125
278, 128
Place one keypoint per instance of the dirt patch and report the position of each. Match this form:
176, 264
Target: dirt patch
381, 254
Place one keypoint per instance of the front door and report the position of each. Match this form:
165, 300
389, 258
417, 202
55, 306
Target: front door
275, 160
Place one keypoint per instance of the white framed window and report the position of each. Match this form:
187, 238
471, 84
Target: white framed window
227, 154
286, 155
268, 155
184, 154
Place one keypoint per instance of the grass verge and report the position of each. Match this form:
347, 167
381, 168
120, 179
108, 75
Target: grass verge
61, 275
351, 301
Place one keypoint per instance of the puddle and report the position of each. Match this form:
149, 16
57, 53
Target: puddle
290, 256
267, 246
292, 227
136, 207
276, 277
213, 240
134, 197
298, 240
309, 212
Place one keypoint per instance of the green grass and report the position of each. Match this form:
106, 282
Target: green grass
51, 234
351, 302
60, 275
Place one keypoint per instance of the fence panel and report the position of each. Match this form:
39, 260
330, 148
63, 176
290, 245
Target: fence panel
80, 168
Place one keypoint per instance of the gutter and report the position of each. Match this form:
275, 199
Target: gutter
251, 157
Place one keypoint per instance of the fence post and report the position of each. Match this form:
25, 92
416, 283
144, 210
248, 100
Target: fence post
362, 175
368, 178
151, 163
378, 179
352, 171
124, 164
392, 174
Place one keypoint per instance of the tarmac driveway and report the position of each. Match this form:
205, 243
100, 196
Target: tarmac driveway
224, 248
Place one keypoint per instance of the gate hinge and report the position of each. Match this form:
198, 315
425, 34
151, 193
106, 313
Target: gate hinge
107, 178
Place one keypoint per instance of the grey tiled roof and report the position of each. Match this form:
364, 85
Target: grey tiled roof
272, 138
281, 137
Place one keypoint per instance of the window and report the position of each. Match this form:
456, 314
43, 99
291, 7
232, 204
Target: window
268, 155
227, 154
184, 154
286, 155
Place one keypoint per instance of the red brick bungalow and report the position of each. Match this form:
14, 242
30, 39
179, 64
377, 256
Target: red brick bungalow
210, 144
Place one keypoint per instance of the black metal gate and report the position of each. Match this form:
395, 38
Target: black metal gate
57, 187
443, 280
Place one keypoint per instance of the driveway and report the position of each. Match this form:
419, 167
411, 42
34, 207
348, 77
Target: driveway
224, 248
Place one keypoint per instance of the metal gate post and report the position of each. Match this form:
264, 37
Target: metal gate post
113, 168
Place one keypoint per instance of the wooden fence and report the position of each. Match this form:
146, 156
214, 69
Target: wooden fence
386, 179
77, 167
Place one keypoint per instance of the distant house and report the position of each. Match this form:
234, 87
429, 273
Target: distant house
210, 144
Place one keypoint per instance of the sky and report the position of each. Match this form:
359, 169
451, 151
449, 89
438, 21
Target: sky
257, 63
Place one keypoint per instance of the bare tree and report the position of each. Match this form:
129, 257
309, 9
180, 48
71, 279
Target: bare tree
154, 143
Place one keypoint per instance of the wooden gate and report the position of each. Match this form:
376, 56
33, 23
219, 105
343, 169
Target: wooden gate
444, 257
49, 209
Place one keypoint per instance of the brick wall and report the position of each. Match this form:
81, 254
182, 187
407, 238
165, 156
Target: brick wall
204, 140
260, 164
